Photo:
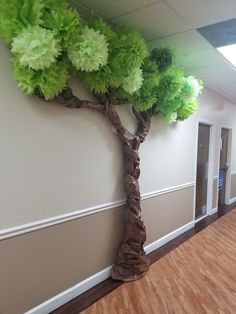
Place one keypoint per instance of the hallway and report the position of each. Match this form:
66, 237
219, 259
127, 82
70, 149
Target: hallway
197, 277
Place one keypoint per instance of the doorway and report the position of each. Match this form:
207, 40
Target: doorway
223, 166
202, 170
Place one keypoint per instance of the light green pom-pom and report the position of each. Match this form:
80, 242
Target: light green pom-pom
191, 88
90, 53
36, 48
48, 82
133, 81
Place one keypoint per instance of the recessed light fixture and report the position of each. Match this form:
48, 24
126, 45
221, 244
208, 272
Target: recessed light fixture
229, 52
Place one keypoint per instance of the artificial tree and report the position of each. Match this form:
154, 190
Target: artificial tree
49, 44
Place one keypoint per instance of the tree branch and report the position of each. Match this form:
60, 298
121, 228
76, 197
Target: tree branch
69, 100
144, 123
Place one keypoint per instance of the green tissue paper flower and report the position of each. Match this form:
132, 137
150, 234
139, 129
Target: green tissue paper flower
90, 53
170, 85
53, 80
55, 4
168, 108
49, 82
65, 25
133, 81
186, 109
145, 97
191, 88
99, 25
164, 58
36, 48
128, 52
26, 77
15, 15
99, 81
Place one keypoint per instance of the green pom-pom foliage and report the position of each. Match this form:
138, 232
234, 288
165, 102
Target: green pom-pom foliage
44, 34
65, 25
189, 93
53, 80
25, 77
48, 82
183, 100
15, 15
36, 47
133, 81
128, 53
164, 58
170, 85
99, 81
186, 109
145, 97
55, 4
99, 25
90, 53
191, 88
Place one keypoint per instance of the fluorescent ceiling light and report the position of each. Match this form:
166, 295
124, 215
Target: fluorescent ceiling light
229, 52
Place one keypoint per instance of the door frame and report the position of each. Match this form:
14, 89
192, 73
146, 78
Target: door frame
228, 173
211, 124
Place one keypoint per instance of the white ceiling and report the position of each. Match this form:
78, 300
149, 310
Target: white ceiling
173, 23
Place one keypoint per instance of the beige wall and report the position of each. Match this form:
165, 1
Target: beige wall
36, 266
167, 212
233, 186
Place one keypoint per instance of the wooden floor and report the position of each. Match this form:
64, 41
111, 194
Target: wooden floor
199, 276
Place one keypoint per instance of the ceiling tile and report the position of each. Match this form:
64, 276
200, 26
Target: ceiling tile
192, 50
114, 8
200, 13
154, 21
222, 77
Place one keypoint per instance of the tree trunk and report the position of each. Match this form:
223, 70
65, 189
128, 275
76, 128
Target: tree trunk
132, 262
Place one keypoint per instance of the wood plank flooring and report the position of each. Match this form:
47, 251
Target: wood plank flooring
197, 277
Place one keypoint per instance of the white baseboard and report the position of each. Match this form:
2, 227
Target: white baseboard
73, 292
170, 236
232, 200
213, 211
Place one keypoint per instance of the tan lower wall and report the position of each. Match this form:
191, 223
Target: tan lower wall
167, 212
233, 186
214, 194
38, 265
